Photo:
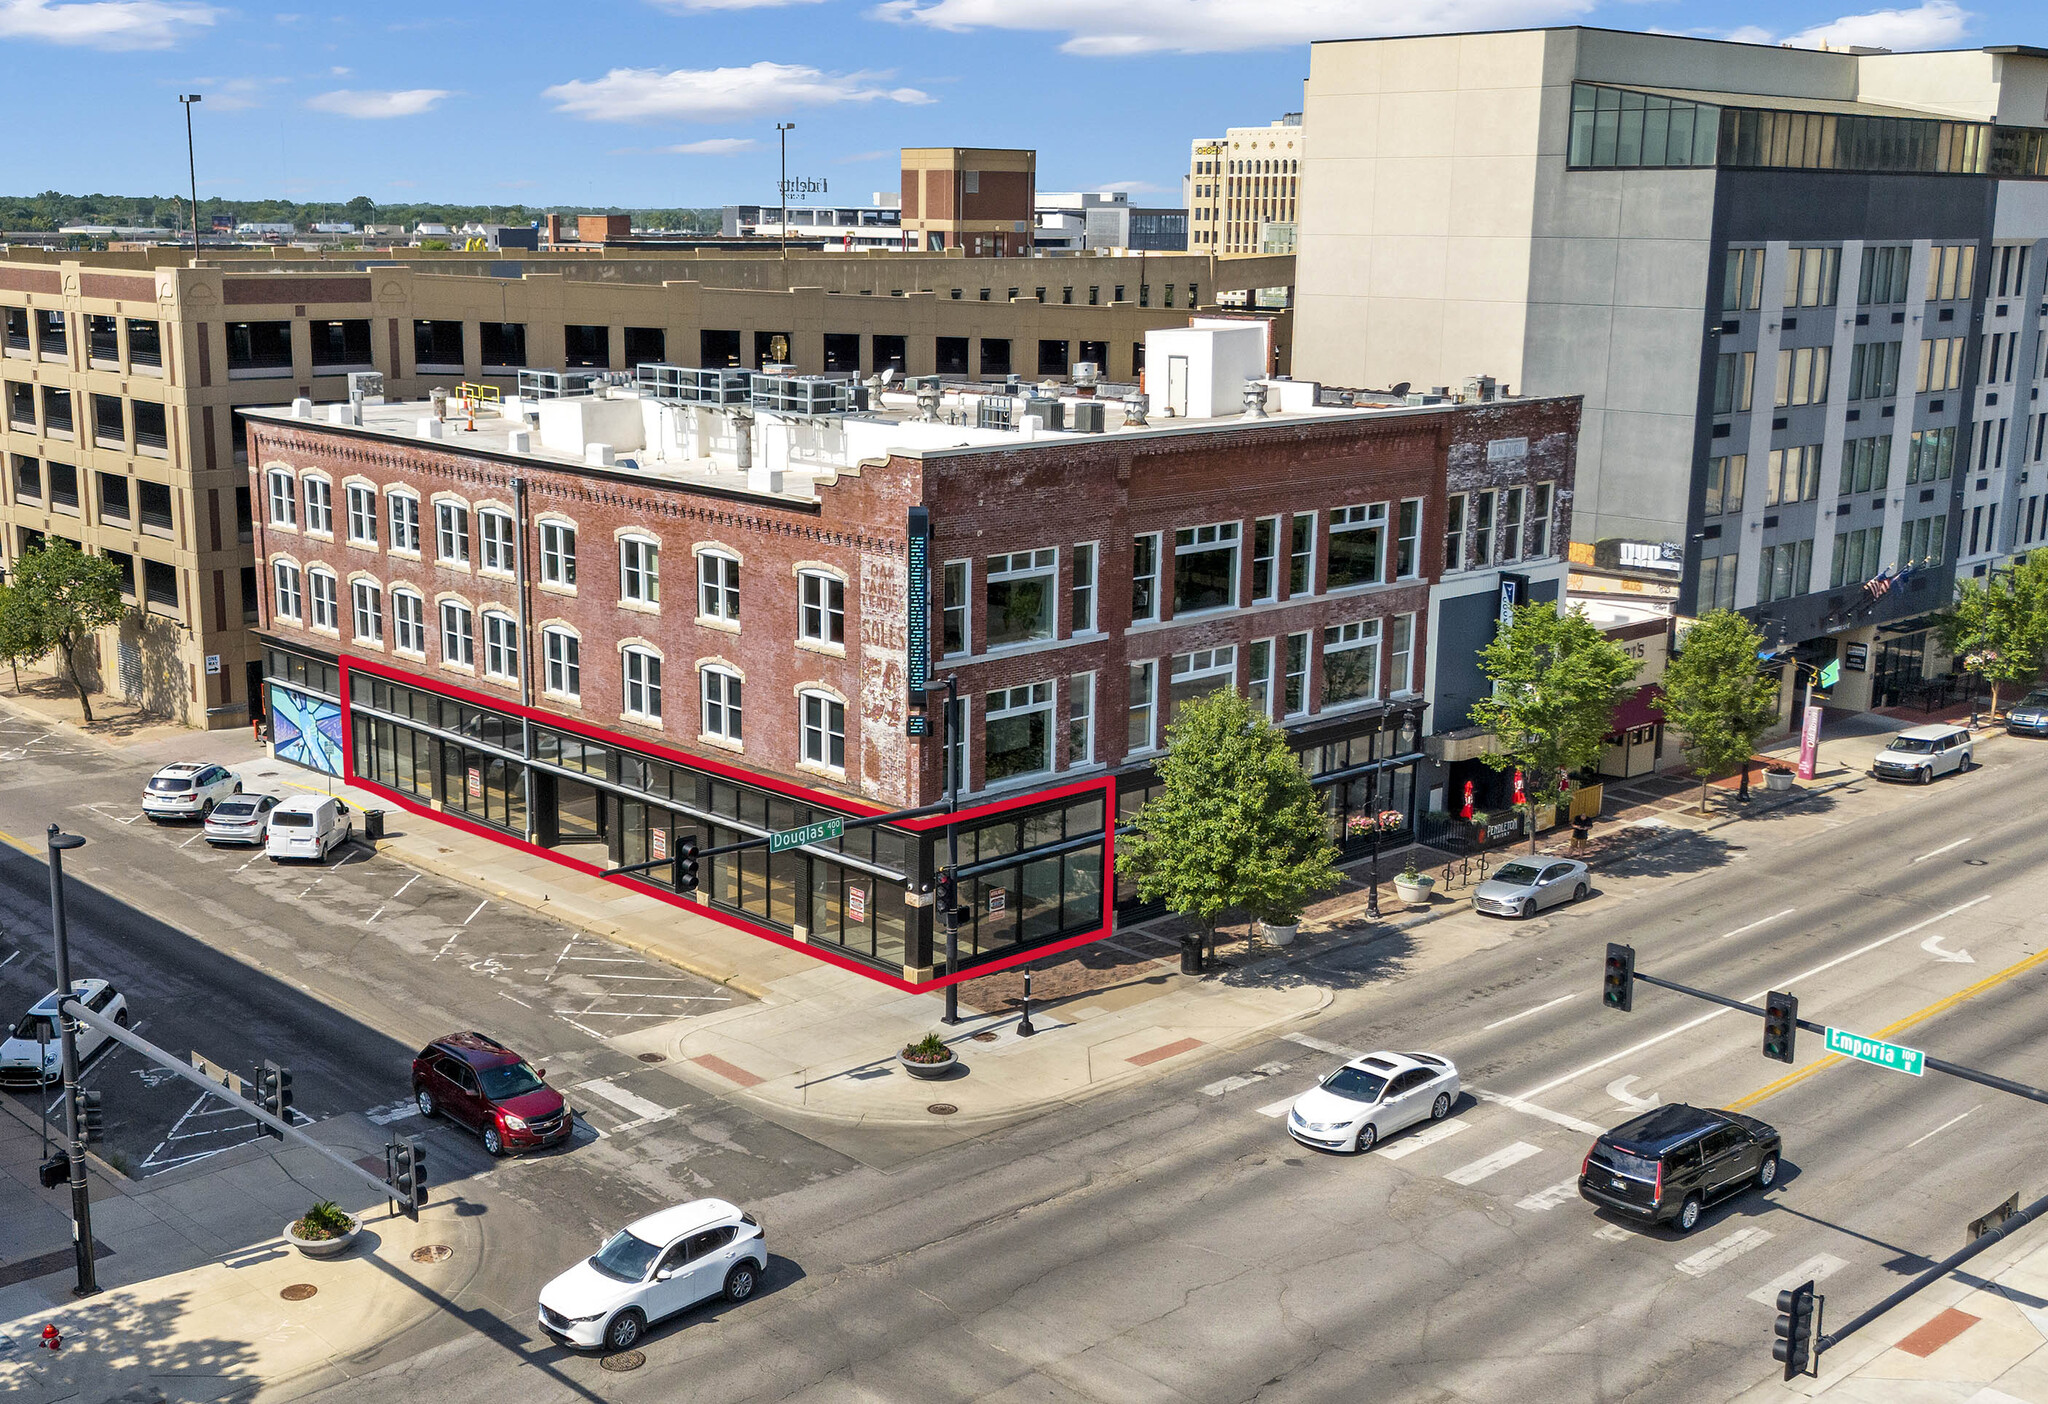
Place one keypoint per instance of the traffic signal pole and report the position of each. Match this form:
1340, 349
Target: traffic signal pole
67, 1034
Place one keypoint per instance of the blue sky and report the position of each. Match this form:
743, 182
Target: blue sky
674, 102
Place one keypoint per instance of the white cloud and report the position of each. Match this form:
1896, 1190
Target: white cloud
1129, 187
233, 94
1222, 26
717, 94
859, 157
104, 24
369, 103
713, 146
1927, 26
682, 6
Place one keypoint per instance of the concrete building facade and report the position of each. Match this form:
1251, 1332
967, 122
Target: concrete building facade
1800, 291
1244, 188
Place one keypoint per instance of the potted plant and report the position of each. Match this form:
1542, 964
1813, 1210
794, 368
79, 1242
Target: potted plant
1412, 887
1280, 925
1480, 819
1777, 776
929, 1057
325, 1230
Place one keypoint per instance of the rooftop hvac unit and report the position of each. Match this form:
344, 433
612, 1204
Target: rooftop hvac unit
993, 411
1088, 417
802, 394
1049, 412
695, 385
556, 385
365, 385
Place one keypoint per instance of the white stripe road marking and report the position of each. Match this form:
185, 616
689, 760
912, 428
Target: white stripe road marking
1817, 1268
374, 915
1759, 922
1280, 1108
1527, 1108
1726, 1251
390, 1112
1941, 1128
1545, 1199
1690, 1024
1230, 1084
1336, 1050
1937, 852
408, 883
1552, 1004
11, 958
1493, 1164
619, 1096
472, 916
1423, 1139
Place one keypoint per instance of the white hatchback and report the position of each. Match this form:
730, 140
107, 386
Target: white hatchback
1373, 1097
653, 1268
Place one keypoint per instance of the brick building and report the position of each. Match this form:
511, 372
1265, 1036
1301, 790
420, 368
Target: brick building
980, 200
475, 621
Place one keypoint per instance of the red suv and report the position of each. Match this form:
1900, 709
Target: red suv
480, 1083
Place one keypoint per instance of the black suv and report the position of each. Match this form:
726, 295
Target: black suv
1670, 1163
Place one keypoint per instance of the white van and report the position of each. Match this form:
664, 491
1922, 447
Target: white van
309, 826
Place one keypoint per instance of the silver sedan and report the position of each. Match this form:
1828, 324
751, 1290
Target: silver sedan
1526, 886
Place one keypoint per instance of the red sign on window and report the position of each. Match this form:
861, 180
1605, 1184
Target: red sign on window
657, 843
995, 899
476, 782
856, 903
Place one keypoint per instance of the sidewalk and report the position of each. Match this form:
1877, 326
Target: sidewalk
202, 1297
1969, 1339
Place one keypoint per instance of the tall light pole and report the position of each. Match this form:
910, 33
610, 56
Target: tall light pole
954, 746
186, 100
67, 1028
782, 131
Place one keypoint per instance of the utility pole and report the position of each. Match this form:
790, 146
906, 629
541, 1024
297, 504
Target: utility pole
67, 1028
782, 131
191, 166
951, 886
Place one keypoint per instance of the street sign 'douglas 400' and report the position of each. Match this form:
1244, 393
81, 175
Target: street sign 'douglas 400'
1870, 1050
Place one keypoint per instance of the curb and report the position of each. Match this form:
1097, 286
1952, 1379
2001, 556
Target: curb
751, 988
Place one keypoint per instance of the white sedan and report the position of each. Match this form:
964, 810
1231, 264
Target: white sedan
1373, 1097
655, 1267
32, 1054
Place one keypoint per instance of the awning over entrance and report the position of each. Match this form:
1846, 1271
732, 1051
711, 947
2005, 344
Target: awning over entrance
1637, 711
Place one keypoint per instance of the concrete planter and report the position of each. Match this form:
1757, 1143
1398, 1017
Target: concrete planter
1777, 779
929, 1071
323, 1247
1413, 892
1279, 933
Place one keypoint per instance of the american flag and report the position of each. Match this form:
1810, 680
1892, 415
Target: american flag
1877, 586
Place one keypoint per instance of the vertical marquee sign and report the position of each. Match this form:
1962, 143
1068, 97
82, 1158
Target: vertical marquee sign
918, 649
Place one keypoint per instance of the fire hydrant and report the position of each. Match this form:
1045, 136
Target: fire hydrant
52, 1339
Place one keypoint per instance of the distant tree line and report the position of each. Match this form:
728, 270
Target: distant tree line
52, 210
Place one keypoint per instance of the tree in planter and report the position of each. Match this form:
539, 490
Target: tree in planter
1556, 682
1715, 695
1235, 823
23, 636
1999, 626
74, 596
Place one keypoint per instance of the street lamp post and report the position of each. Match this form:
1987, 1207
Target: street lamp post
67, 1029
191, 166
1372, 893
952, 885
782, 131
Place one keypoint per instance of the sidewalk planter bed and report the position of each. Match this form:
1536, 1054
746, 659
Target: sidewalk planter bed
326, 1231
928, 1058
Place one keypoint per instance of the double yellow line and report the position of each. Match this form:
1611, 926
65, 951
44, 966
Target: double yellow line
1940, 1006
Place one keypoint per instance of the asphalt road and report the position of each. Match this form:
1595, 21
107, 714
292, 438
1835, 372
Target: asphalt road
1171, 1242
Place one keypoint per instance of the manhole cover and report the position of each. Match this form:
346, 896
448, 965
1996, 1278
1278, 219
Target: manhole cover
624, 1360
653, 1057
298, 1291
432, 1253
983, 1037
942, 1109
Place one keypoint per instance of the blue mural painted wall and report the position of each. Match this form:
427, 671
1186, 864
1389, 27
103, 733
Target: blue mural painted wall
306, 730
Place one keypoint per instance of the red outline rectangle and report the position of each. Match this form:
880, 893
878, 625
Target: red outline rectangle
855, 808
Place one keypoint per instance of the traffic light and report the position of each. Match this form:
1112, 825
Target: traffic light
1781, 1025
91, 1121
408, 1159
1618, 986
267, 1094
1798, 1309
282, 1080
686, 864
948, 898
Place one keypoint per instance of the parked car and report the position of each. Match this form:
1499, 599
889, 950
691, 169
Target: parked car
31, 1056
478, 1082
653, 1268
2029, 715
241, 819
308, 826
188, 790
1668, 1164
1373, 1097
1920, 753
1526, 886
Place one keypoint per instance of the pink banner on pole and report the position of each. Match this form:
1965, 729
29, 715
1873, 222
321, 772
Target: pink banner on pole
1809, 743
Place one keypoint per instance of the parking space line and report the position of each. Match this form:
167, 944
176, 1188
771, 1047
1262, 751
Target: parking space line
1486, 1165
408, 883
479, 907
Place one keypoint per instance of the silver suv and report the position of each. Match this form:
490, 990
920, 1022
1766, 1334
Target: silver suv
2029, 715
1920, 753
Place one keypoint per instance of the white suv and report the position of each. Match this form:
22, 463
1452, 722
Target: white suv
1920, 753
188, 790
658, 1266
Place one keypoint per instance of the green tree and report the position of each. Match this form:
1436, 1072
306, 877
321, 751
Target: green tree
1715, 694
1235, 824
1999, 626
23, 637
1556, 682
362, 210
74, 596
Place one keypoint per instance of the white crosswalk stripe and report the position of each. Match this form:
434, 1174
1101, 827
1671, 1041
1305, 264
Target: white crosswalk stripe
1724, 1252
1335, 1050
1423, 1139
1493, 1164
1280, 1108
1818, 1268
1545, 1199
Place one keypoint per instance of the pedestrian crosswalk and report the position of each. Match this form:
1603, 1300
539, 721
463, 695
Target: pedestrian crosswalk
1487, 1166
